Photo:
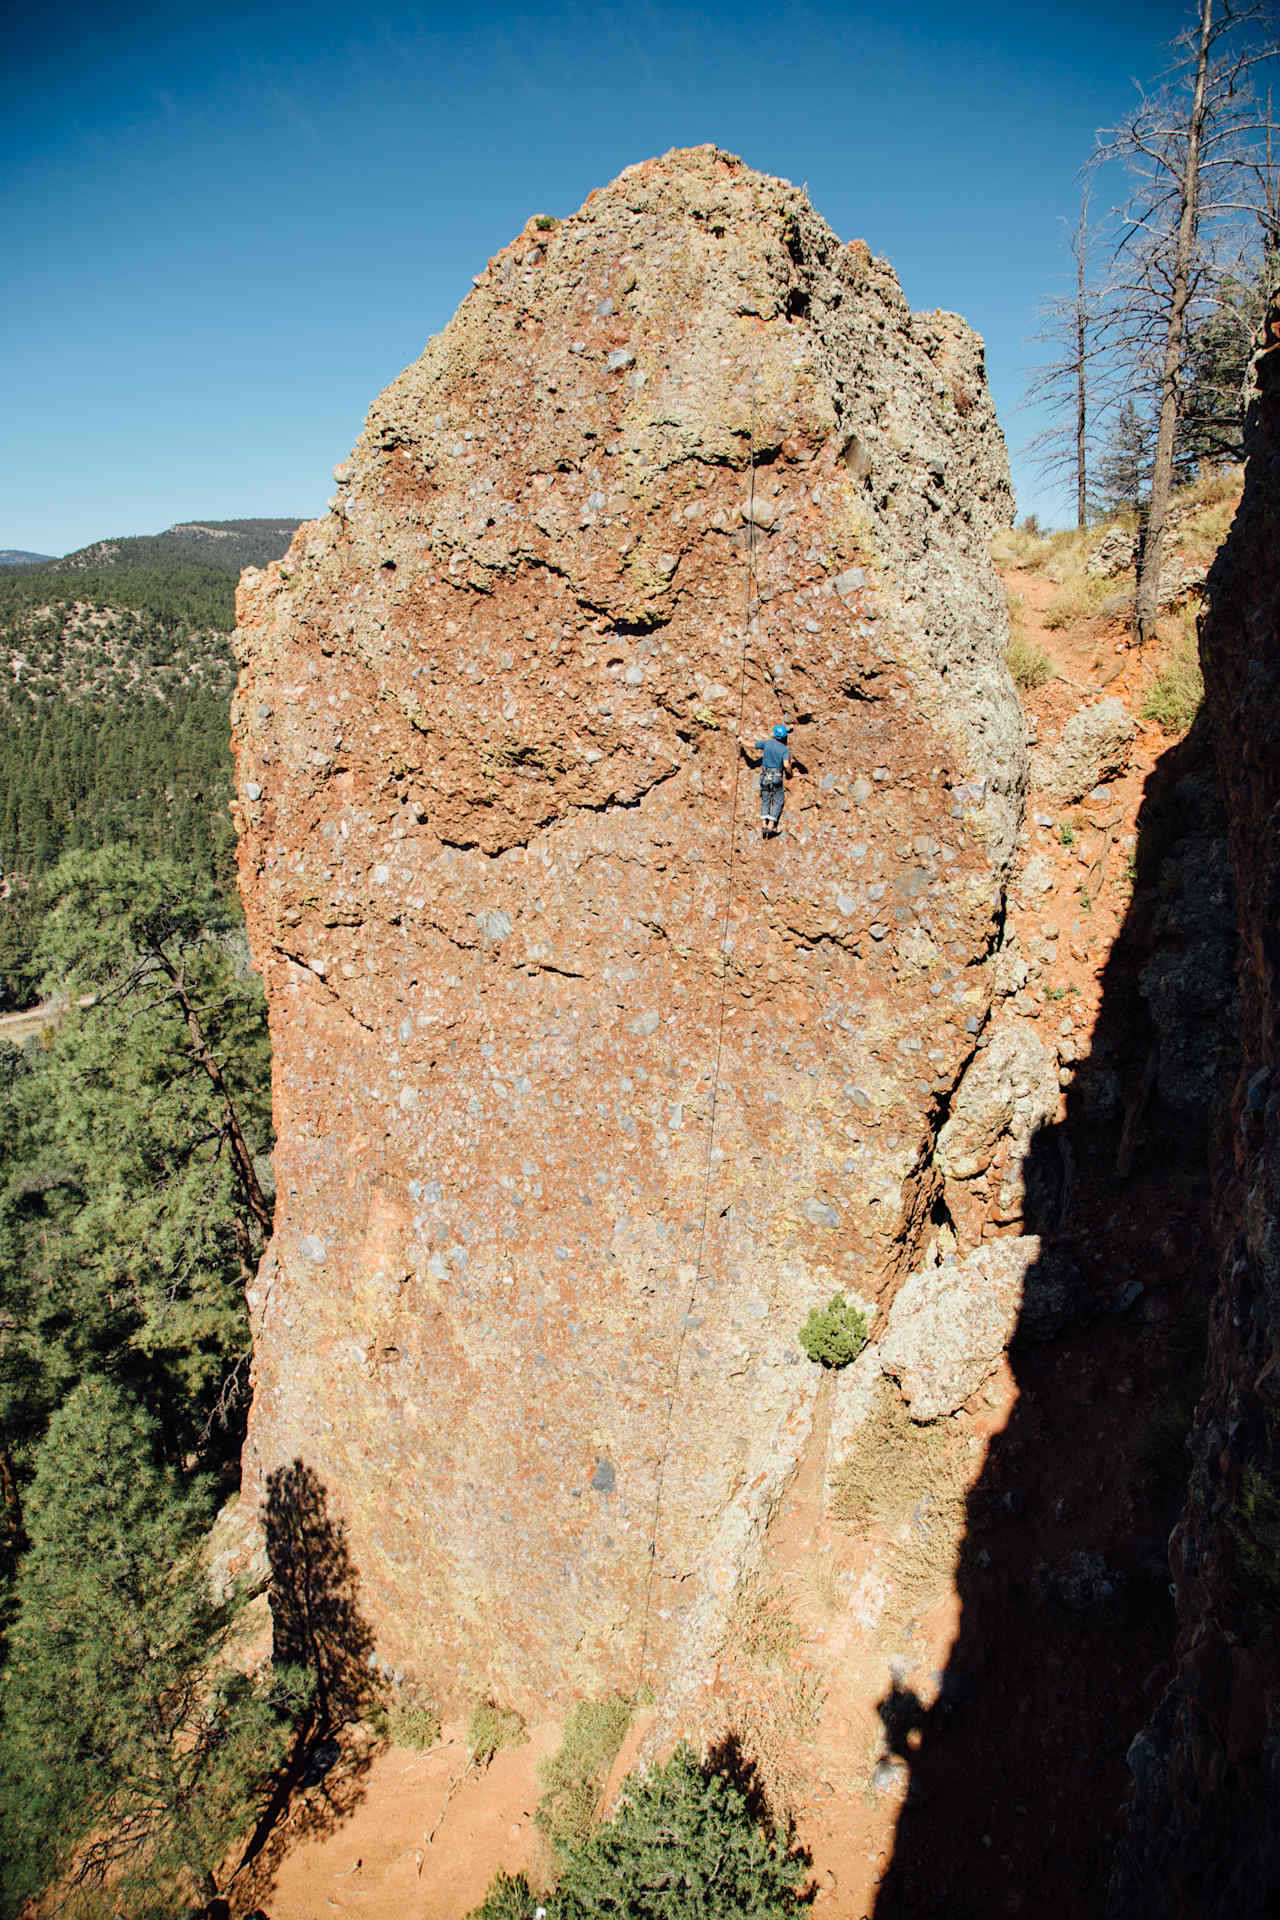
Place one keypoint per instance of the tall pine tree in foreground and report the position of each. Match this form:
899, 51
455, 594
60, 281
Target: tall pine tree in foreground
133, 1139
131, 1751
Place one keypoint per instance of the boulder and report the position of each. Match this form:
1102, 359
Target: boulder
1093, 747
1009, 1090
1112, 555
950, 1325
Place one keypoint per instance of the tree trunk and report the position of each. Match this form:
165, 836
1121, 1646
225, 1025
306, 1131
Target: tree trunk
1147, 598
1082, 489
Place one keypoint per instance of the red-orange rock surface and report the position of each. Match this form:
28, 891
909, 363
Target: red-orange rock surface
501, 861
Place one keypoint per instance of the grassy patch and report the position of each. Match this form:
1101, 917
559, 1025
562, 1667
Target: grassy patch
1200, 536
1255, 1527
1078, 598
764, 1630
409, 1719
492, 1728
1178, 689
894, 1466
1029, 664
573, 1778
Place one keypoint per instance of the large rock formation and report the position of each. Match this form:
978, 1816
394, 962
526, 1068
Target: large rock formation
1204, 1838
584, 1095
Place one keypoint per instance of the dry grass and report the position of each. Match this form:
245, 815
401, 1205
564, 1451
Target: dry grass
763, 1630
775, 1723
907, 1487
408, 1719
491, 1729
1178, 689
1211, 489
1029, 664
1079, 597
824, 1583
895, 1467
1200, 536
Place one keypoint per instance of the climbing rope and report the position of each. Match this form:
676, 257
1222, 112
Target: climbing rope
750, 602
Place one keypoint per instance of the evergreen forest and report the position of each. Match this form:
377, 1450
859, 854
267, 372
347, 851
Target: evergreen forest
115, 684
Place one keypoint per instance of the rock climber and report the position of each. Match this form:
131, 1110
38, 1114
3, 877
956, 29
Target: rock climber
775, 770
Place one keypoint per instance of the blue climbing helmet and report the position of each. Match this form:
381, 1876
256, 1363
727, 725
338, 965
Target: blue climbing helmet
780, 732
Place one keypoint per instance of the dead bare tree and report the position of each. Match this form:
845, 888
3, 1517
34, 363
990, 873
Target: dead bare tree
1072, 385
1197, 156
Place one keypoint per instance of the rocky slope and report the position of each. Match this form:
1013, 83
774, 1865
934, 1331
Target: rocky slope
1206, 1771
584, 1096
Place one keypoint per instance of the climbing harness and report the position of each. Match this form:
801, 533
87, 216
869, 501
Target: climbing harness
750, 601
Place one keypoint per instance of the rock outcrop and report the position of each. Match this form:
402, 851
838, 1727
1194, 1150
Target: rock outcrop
584, 1096
1206, 1772
1094, 746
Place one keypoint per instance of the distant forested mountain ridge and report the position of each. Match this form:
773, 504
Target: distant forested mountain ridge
19, 557
188, 572
115, 688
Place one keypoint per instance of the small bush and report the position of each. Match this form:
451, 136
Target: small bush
412, 1722
491, 1729
574, 1777
546, 223
835, 1334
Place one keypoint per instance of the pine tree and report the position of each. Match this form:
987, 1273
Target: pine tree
130, 1747
126, 1235
1123, 474
1219, 349
683, 1844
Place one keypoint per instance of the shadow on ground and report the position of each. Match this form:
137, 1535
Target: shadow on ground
1016, 1755
320, 1635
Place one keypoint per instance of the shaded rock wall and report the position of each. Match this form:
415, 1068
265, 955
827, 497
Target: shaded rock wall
503, 878
1204, 1839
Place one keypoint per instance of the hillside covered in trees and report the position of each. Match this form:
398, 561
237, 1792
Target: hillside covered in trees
115, 684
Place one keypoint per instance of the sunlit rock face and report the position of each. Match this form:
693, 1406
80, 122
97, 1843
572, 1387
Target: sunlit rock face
680, 462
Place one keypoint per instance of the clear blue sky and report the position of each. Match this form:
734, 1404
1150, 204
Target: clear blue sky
227, 228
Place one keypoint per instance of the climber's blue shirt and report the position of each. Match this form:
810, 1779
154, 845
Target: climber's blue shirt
776, 753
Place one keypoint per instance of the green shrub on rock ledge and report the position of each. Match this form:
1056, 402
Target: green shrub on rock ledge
835, 1334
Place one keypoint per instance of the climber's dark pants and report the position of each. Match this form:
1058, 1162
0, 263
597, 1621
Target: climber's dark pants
771, 799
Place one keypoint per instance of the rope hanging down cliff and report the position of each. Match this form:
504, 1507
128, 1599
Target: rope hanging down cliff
750, 604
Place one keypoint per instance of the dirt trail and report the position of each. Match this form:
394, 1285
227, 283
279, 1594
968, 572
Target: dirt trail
422, 1843
846, 1648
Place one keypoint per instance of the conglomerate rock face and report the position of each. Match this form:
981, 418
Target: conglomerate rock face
681, 463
